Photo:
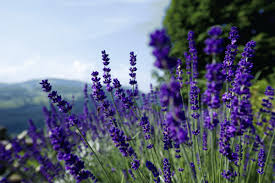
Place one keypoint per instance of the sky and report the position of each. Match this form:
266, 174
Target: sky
42, 39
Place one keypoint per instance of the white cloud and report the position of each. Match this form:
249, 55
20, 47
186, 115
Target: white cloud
79, 67
37, 67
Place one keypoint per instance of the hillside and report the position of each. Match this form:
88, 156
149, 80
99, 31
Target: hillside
20, 102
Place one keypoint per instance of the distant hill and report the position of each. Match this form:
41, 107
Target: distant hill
20, 102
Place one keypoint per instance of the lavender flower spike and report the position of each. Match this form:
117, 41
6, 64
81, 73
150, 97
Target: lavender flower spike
261, 161
230, 54
133, 68
63, 105
162, 46
214, 44
193, 52
106, 75
166, 171
154, 171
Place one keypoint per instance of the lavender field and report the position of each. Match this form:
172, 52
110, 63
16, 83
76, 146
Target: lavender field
175, 133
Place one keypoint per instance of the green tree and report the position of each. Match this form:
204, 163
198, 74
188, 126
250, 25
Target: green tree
254, 18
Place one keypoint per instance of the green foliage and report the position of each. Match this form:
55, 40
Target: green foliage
258, 89
253, 18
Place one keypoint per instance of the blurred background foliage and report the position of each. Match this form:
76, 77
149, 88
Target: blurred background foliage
253, 18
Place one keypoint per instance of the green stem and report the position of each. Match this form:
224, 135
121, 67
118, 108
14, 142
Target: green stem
116, 108
198, 149
269, 152
188, 164
251, 164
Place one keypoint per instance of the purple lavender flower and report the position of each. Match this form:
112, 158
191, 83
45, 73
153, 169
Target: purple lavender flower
177, 150
59, 141
269, 91
215, 79
46, 86
85, 91
257, 143
131, 173
261, 161
64, 149
266, 106
35, 134
47, 168
194, 54
239, 154
230, 54
178, 134
162, 45
192, 165
98, 93
245, 66
73, 120
167, 140
164, 96
106, 75
120, 141
146, 101
194, 90
272, 121
169, 94
99, 96
4, 180
121, 95
135, 164
63, 105
229, 174
214, 45
151, 167
226, 98
196, 132
76, 168
5, 156
224, 140
166, 171
241, 110
215, 31
267, 103
133, 68
145, 124
194, 100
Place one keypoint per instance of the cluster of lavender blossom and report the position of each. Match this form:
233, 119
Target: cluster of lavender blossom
162, 136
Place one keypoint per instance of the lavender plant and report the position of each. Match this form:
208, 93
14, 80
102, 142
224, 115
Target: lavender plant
156, 137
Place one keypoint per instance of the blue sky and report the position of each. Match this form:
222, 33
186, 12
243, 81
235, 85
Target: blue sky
64, 38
